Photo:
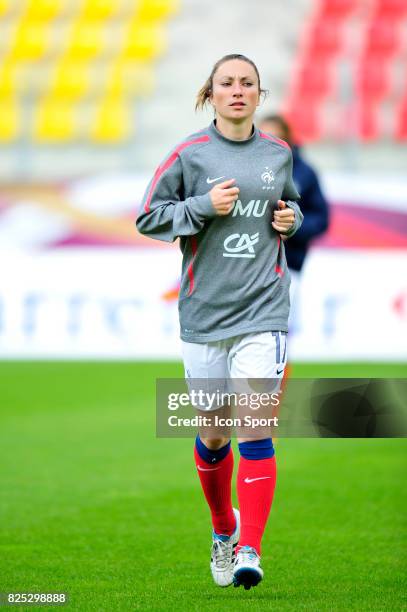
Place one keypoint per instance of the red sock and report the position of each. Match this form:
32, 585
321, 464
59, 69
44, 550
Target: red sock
216, 480
256, 481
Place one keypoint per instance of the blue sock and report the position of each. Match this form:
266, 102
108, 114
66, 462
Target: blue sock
208, 455
257, 449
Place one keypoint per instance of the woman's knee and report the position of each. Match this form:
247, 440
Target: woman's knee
215, 443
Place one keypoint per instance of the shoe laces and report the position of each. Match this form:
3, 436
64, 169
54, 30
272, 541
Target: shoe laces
221, 553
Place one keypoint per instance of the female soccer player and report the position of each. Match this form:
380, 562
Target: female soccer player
227, 193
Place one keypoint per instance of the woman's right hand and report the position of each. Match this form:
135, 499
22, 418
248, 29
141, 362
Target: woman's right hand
223, 197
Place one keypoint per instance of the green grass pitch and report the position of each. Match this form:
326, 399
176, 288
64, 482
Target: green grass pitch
91, 503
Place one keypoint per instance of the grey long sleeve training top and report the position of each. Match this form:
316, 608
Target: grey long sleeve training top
234, 272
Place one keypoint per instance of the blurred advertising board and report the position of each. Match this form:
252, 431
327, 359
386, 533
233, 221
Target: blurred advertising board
84, 303
122, 303
78, 281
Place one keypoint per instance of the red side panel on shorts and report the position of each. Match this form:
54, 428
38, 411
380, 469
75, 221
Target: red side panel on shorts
274, 139
167, 164
194, 247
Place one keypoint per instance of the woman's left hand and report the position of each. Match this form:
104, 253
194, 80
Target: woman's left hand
283, 218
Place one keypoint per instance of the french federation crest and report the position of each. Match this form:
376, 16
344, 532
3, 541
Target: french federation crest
268, 178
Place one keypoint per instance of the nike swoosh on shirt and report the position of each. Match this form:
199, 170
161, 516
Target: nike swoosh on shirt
249, 480
209, 181
201, 469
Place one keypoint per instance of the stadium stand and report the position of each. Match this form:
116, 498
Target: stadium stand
77, 67
337, 68
368, 38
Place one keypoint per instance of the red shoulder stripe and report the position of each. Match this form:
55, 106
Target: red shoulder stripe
273, 138
167, 164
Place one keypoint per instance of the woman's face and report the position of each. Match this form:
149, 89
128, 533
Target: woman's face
235, 93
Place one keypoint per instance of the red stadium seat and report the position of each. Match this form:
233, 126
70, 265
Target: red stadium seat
323, 39
336, 9
390, 9
401, 121
313, 81
382, 38
366, 120
372, 79
305, 120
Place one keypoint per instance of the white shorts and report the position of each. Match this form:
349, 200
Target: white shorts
248, 356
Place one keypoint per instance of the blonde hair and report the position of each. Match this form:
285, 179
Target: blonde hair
206, 90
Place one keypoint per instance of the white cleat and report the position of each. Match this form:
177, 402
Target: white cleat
223, 554
247, 571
